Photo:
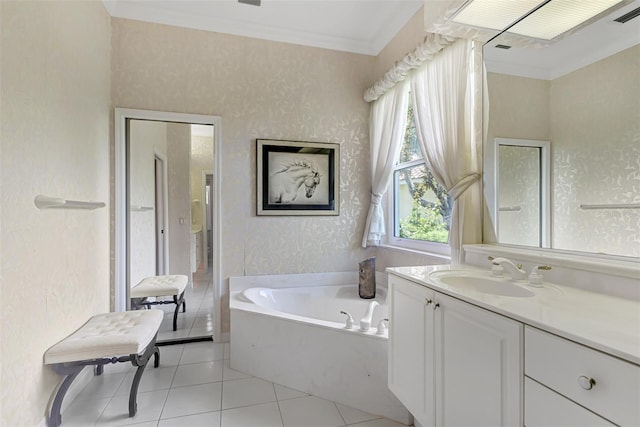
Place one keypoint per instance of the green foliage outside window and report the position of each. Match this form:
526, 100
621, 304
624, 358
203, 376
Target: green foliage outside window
430, 216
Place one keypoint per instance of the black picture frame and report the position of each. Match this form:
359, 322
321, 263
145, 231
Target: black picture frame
297, 178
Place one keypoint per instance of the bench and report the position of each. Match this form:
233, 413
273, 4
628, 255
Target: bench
105, 338
158, 287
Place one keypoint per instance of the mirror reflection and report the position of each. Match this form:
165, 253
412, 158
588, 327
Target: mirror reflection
169, 177
581, 93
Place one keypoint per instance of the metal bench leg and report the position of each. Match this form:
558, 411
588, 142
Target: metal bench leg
178, 301
141, 362
54, 418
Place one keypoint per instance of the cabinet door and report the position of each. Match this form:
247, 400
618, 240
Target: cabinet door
411, 347
478, 366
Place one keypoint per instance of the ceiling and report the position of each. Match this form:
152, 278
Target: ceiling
359, 26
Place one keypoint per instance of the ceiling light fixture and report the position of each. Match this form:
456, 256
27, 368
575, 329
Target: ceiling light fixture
250, 2
550, 19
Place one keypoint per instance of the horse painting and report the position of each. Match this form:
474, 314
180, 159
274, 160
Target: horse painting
285, 183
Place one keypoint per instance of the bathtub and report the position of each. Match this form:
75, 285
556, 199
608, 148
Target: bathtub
288, 329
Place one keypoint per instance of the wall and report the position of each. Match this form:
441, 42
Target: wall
201, 161
261, 89
54, 124
595, 134
519, 109
592, 118
146, 139
179, 158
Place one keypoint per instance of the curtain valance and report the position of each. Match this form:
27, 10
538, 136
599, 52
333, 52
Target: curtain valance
433, 43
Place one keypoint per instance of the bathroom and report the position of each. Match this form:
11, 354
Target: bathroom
79, 56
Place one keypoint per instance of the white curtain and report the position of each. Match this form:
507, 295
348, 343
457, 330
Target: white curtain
446, 107
387, 124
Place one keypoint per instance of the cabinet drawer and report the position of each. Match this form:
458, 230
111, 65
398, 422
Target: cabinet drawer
546, 408
566, 367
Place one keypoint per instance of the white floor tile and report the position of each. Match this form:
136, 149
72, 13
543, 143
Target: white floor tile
201, 332
198, 373
149, 409
245, 392
310, 411
205, 351
170, 355
153, 379
265, 415
102, 386
208, 419
83, 413
192, 400
284, 393
352, 415
231, 374
381, 422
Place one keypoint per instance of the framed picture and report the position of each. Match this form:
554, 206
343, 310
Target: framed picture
297, 178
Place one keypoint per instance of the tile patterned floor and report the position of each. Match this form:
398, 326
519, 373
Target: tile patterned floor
198, 320
194, 386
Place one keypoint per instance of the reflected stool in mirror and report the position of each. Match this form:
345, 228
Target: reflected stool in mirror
160, 287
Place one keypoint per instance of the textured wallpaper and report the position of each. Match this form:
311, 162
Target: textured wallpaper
595, 134
146, 139
519, 188
261, 89
55, 128
592, 118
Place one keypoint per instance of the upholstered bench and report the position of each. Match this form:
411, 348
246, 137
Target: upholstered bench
158, 287
105, 338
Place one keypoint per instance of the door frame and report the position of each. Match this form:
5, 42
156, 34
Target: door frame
121, 289
164, 208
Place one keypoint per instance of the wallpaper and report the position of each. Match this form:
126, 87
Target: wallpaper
261, 89
55, 104
519, 188
592, 118
595, 131
146, 139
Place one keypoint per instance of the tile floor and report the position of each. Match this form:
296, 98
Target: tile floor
198, 320
194, 386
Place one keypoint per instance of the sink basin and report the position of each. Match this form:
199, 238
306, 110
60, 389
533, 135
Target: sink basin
481, 283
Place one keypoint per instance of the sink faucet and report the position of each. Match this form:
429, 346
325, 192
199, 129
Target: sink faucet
365, 322
516, 271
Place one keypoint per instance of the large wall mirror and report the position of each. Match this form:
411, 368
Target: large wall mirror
582, 94
166, 213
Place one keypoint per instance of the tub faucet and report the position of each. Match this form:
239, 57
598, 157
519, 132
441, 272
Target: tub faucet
517, 273
365, 322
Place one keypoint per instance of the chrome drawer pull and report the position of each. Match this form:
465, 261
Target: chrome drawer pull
586, 383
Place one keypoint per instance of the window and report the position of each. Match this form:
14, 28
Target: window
419, 208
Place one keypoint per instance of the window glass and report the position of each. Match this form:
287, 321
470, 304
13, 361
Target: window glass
421, 207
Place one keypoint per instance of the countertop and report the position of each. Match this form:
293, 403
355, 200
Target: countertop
607, 323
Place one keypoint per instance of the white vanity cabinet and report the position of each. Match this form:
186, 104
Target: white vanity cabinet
452, 363
571, 384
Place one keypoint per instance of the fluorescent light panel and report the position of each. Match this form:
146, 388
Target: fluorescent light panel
494, 14
559, 16
548, 22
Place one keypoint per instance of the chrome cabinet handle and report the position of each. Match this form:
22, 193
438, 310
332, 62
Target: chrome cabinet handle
436, 305
428, 301
586, 383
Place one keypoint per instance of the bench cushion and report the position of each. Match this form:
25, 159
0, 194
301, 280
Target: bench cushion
108, 335
157, 286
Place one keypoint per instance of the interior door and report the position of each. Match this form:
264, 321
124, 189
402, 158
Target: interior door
160, 216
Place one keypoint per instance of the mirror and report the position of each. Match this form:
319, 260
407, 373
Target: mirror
581, 93
167, 215
522, 186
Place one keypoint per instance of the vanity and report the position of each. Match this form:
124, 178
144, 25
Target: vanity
469, 348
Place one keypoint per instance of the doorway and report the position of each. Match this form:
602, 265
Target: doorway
176, 222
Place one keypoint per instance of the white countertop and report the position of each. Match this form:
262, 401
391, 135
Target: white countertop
607, 323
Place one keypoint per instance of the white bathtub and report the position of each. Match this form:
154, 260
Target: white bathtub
288, 329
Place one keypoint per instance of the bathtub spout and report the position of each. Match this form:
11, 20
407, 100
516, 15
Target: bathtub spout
365, 322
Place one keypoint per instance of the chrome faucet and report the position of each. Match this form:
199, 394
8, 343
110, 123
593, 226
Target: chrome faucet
365, 322
516, 271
